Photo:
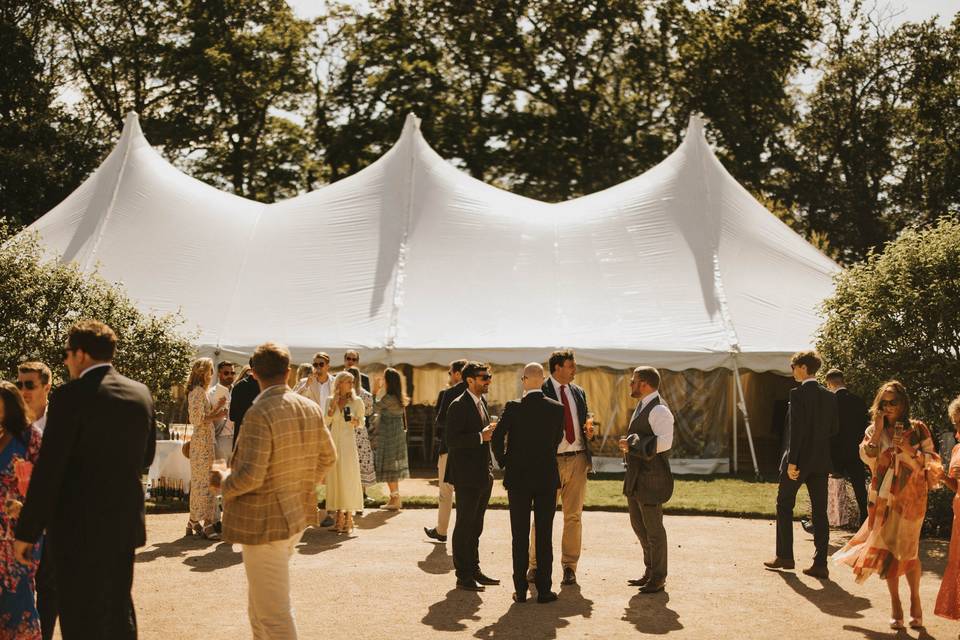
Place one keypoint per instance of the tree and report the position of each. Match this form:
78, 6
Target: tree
897, 315
41, 298
44, 151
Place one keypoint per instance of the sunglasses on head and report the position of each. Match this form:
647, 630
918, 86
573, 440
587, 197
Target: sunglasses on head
889, 403
29, 385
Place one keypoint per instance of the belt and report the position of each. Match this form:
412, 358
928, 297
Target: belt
571, 453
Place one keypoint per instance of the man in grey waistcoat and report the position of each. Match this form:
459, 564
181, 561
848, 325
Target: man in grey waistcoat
648, 483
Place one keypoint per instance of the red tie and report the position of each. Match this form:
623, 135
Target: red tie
567, 415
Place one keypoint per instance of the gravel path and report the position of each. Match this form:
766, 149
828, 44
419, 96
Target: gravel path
389, 581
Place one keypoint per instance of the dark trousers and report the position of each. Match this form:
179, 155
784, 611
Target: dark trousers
47, 591
471, 507
787, 499
94, 594
855, 472
544, 506
647, 523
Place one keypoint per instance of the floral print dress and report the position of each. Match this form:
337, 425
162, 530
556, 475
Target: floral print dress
888, 542
18, 611
203, 501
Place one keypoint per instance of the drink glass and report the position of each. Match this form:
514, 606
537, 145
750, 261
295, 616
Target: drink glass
494, 420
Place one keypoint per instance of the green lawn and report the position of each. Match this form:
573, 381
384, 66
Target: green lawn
706, 495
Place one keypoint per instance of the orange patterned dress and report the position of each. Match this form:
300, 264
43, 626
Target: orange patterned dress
888, 542
948, 599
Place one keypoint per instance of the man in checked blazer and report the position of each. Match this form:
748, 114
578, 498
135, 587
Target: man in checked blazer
269, 495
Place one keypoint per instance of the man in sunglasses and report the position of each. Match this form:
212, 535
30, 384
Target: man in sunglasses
223, 429
812, 420
33, 380
319, 383
352, 359
469, 470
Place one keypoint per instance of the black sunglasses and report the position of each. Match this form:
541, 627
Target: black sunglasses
319, 365
484, 376
892, 403
67, 350
29, 385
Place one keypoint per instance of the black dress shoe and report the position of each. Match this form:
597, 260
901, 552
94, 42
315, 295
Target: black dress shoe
519, 597
549, 596
468, 585
818, 571
327, 522
806, 525
432, 533
653, 586
569, 576
639, 582
479, 578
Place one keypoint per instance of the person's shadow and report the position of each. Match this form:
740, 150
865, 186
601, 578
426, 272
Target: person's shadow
175, 549
449, 613
902, 634
316, 540
832, 599
438, 561
376, 519
649, 613
221, 557
533, 620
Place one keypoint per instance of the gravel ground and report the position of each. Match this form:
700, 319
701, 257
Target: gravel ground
388, 580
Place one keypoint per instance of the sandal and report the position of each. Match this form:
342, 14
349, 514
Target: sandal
916, 623
896, 623
209, 532
193, 528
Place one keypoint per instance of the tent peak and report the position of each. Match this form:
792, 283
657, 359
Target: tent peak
131, 126
695, 128
411, 122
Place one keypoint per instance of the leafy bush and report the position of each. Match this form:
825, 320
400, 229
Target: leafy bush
41, 298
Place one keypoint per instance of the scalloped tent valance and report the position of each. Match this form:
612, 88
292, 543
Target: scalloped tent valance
411, 260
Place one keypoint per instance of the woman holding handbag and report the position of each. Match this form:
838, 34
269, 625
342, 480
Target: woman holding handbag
343, 417
391, 453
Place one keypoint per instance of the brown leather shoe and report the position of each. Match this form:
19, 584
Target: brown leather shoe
819, 571
780, 563
569, 576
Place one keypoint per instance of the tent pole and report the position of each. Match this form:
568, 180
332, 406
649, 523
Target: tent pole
733, 392
742, 404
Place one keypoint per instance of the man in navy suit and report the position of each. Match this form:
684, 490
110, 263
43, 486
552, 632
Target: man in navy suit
525, 445
469, 431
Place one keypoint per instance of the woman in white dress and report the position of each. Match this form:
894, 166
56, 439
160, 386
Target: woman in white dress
344, 416
368, 472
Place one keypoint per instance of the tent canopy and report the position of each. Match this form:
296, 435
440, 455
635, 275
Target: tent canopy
411, 260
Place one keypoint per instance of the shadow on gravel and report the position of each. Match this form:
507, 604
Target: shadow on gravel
374, 519
831, 598
533, 620
870, 634
449, 613
649, 613
221, 557
316, 540
438, 561
175, 549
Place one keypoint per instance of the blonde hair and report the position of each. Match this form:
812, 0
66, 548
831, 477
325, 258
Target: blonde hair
335, 389
304, 370
198, 369
953, 410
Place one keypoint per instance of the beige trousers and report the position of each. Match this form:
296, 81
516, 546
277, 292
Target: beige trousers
446, 497
572, 492
268, 585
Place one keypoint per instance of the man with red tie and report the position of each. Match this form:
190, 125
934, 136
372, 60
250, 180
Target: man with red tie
574, 461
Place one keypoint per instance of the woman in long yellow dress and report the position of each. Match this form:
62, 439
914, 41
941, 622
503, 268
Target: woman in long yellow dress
344, 415
901, 455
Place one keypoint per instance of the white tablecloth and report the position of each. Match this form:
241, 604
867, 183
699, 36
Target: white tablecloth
169, 463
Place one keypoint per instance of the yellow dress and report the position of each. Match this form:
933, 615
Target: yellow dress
344, 491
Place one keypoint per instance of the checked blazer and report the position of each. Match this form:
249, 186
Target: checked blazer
281, 455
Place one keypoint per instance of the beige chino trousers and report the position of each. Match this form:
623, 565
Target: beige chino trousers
572, 492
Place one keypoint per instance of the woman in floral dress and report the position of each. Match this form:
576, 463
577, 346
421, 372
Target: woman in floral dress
203, 500
901, 457
368, 472
391, 454
948, 599
19, 446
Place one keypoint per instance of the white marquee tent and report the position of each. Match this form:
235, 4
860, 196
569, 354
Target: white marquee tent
413, 261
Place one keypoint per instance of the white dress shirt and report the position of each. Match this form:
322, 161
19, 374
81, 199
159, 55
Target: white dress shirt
41, 422
661, 421
216, 392
577, 444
